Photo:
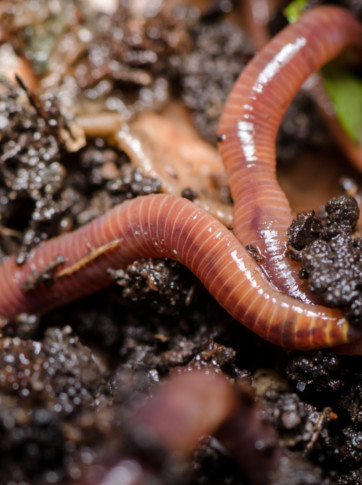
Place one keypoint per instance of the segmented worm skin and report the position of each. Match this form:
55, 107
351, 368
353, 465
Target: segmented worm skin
249, 124
167, 226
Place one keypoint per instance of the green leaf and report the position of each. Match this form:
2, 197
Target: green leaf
294, 10
345, 92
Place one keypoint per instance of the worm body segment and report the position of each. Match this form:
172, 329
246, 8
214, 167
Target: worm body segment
166, 226
249, 125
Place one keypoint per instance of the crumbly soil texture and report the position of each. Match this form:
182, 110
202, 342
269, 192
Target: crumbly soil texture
69, 379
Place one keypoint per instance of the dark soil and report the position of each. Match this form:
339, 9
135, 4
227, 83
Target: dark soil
331, 257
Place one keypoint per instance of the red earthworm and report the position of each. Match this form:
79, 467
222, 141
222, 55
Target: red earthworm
258, 14
189, 406
159, 226
249, 125
185, 408
167, 226
180, 411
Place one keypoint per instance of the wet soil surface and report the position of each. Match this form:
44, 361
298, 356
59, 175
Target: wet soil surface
70, 379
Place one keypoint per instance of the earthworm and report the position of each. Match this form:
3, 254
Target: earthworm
162, 225
165, 226
164, 428
249, 125
258, 14
185, 408
193, 404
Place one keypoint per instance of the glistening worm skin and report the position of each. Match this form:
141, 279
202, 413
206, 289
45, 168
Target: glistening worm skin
166, 226
249, 125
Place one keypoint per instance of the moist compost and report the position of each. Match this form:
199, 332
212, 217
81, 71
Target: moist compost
331, 259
